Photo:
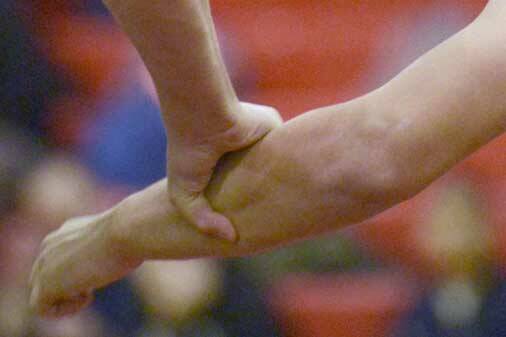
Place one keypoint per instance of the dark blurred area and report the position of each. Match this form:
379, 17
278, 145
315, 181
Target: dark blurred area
80, 129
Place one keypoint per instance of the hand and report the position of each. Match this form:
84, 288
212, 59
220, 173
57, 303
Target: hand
73, 261
191, 163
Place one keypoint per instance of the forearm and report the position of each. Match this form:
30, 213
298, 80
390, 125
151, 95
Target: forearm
277, 191
339, 165
323, 170
177, 41
314, 174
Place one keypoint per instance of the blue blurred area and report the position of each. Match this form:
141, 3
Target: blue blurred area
126, 144
121, 309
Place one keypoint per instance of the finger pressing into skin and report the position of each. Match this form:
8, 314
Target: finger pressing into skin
197, 210
188, 178
190, 167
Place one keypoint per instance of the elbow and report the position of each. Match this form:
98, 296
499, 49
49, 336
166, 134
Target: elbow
393, 174
382, 184
377, 173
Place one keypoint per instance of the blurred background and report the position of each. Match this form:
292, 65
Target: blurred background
80, 129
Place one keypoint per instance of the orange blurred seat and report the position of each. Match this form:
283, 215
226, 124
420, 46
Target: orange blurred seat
304, 54
362, 305
488, 164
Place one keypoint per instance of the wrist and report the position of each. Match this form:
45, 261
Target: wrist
117, 234
200, 123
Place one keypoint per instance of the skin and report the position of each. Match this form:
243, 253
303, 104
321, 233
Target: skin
202, 114
326, 169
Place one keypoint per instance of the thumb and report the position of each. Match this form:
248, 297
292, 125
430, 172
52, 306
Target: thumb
196, 209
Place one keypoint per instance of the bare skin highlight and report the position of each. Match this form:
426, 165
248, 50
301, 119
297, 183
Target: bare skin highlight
326, 169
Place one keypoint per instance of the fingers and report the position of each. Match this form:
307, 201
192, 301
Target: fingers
191, 166
197, 210
59, 307
54, 306
57, 279
189, 171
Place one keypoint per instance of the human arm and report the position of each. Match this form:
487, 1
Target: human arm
319, 172
452, 100
202, 114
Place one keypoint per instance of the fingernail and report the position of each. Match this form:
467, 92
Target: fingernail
219, 227
225, 229
229, 234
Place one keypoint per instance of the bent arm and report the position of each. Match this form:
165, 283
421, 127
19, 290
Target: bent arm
342, 164
201, 112
328, 168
